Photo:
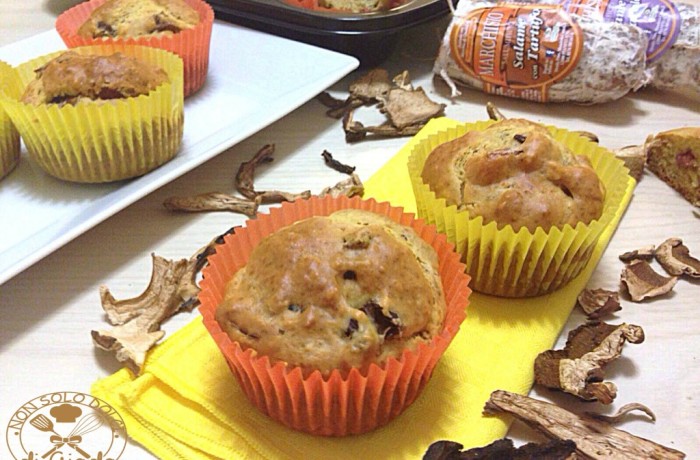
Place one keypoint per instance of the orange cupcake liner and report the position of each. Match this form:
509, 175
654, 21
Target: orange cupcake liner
341, 403
192, 45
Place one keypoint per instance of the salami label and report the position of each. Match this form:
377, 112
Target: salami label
517, 50
659, 19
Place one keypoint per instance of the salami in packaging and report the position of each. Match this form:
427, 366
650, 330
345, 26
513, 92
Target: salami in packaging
583, 51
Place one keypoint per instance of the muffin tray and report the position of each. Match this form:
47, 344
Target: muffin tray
368, 36
45, 213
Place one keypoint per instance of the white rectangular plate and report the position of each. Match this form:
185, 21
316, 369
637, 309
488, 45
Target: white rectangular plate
254, 79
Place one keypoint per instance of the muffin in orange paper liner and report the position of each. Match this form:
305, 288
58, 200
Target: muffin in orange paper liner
343, 401
103, 140
521, 263
9, 137
191, 44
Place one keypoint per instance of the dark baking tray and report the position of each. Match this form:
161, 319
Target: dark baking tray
370, 37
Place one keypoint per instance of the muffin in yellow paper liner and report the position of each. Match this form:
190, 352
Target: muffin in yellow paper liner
103, 141
345, 402
9, 137
192, 45
518, 264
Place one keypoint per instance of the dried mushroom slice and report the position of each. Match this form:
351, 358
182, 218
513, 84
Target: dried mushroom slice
212, 201
593, 438
137, 321
493, 112
409, 107
578, 369
173, 288
597, 303
643, 253
356, 131
370, 86
502, 449
642, 282
246, 176
337, 108
675, 257
349, 187
634, 157
335, 164
622, 412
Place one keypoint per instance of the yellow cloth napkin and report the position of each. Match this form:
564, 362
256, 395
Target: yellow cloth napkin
187, 404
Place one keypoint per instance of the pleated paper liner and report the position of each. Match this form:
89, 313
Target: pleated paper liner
342, 403
192, 45
518, 264
103, 141
9, 136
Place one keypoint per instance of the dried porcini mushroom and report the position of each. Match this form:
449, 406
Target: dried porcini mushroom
212, 201
356, 131
593, 438
408, 109
348, 187
642, 282
634, 157
597, 303
338, 107
502, 449
675, 257
370, 86
578, 369
246, 176
493, 112
387, 325
622, 412
137, 321
172, 289
335, 164
643, 253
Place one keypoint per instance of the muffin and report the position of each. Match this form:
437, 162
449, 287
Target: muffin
525, 204
100, 114
327, 293
180, 26
9, 137
515, 173
332, 312
134, 18
674, 157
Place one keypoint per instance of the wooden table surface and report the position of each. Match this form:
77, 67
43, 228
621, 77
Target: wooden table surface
48, 310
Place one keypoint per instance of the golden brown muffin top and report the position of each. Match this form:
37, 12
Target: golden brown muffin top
336, 292
71, 77
516, 174
133, 18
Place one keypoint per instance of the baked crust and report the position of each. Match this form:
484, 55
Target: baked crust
72, 77
336, 292
516, 174
133, 18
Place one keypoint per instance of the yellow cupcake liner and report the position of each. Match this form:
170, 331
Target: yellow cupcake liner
9, 136
103, 141
517, 264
